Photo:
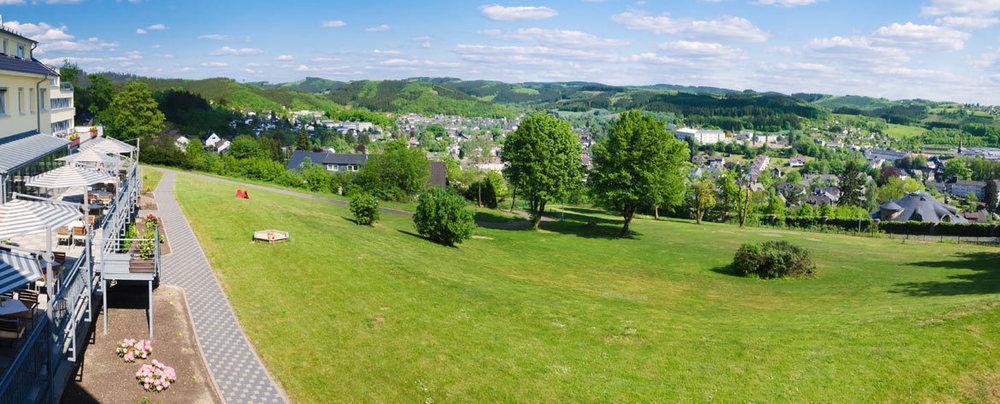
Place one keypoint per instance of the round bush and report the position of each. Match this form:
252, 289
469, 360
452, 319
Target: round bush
365, 208
442, 217
773, 259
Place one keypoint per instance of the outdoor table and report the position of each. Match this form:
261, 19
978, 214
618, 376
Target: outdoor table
12, 307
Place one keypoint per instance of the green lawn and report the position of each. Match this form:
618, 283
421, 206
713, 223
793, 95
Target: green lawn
150, 178
902, 132
351, 313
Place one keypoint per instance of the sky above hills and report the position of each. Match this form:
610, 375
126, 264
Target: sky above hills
934, 49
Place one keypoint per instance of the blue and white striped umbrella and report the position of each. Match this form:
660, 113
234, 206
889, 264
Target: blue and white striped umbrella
18, 269
22, 217
69, 176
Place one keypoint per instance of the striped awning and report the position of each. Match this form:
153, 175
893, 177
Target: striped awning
69, 176
17, 153
17, 269
93, 156
22, 217
108, 145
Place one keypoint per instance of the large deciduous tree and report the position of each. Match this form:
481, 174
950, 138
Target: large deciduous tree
133, 113
852, 185
397, 173
640, 165
543, 162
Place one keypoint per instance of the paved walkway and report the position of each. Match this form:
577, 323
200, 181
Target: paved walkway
235, 367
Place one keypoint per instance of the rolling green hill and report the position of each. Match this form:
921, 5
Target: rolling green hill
415, 96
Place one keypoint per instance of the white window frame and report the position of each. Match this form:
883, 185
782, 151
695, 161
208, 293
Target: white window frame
5, 47
31, 101
20, 100
21, 52
3, 101
41, 100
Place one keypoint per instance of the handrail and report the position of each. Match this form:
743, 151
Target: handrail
21, 357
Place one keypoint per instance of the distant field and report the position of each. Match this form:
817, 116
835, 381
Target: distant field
351, 313
904, 131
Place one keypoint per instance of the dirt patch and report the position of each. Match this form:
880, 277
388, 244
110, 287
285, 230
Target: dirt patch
104, 378
146, 202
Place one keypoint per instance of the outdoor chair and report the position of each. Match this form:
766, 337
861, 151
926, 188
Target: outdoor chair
11, 330
29, 298
63, 236
79, 235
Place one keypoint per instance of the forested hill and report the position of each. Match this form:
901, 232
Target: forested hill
415, 96
232, 94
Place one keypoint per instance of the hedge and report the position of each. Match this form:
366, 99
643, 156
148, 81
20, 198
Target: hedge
870, 226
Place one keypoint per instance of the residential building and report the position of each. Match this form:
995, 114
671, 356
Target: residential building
25, 149
335, 162
962, 188
797, 161
182, 142
61, 108
701, 136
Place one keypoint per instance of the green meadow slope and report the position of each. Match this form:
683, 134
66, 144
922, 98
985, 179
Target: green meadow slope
352, 313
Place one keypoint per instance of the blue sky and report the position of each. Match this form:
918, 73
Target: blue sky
935, 49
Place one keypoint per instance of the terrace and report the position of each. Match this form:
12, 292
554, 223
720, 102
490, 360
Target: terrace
64, 236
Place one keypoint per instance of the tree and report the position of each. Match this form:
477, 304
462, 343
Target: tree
775, 206
896, 188
303, 141
442, 217
397, 173
640, 165
993, 195
99, 95
246, 147
365, 208
196, 155
852, 185
702, 198
543, 162
972, 201
957, 168
728, 195
133, 114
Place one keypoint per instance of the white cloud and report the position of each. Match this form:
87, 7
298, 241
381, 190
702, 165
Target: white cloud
228, 51
500, 13
556, 37
735, 28
694, 49
970, 7
922, 37
215, 64
968, 21
154, 27
285, 58
333, 24
378, 28
856, 49
223, 37
40, 32
785, 3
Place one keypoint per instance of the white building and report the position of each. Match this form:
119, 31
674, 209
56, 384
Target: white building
702, 136
61, 108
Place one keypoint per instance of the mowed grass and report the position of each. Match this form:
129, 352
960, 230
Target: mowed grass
150, 178
903, 132
352, 313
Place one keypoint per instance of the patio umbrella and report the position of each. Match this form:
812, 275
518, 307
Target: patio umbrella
108, 145
17, 270
22, 217
97, 158
69, 176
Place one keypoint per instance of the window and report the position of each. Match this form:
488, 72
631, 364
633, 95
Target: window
3, 101
41, 99
20, 51
31, 100
4, 49
20, 101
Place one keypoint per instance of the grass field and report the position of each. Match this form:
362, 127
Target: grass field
150, 178
902, 132
351, 313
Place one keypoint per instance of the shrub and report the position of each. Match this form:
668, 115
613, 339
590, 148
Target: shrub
442, 217
155, 377
131, 349
773, 259
365, 208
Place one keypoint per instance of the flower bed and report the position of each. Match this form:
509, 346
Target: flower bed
155, 377
130, 349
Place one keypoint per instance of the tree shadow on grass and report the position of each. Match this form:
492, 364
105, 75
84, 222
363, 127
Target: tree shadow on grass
492, 220
984, 280
589, 229
727, 270
350, 219
412, 234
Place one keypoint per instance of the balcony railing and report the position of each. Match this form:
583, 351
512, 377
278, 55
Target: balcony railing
51, 349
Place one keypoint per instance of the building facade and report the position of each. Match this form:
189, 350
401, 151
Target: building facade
26, 148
